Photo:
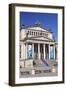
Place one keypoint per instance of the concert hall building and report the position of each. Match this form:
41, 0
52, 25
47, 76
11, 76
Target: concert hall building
36, 45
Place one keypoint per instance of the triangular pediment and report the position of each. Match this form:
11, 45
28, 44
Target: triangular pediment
41, 38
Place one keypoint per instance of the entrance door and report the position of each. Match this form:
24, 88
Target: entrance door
46, 51
41, 52
35, 51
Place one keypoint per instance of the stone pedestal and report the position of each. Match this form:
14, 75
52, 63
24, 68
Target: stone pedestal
33, 72
29, 63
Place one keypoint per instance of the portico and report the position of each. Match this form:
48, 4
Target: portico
40, 51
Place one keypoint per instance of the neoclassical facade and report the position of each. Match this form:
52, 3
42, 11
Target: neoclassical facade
36, 44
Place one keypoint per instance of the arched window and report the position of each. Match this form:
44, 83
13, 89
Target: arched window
28, 32
38, 33
34, 33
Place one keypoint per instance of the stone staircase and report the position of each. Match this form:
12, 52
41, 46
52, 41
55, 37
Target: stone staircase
41, 63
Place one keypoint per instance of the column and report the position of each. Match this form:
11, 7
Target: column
56, 52
20, 51
38, 51
33, 50
44, 50
49, 51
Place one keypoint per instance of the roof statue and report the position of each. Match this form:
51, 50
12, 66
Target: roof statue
37, 24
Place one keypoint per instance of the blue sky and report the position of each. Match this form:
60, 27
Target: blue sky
47, 20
